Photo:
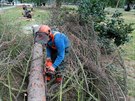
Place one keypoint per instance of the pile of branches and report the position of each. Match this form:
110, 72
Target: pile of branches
15, 51
90, 75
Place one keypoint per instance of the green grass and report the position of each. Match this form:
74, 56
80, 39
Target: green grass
15, 16
131, 87
129, 48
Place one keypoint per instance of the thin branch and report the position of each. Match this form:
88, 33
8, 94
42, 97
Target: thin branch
14, 89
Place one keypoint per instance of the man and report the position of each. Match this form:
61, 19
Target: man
24, 7
57, 45
26, 13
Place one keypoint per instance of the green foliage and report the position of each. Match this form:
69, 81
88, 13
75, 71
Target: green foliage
129, 1
71, 1
114, 3
38, 2
10, 0
92, 8
112, 29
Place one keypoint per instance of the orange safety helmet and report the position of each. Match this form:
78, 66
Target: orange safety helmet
44, 29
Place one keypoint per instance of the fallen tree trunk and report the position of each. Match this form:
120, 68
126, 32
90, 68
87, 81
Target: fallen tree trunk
36, 87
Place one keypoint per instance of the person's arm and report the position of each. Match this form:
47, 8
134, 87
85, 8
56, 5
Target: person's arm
59, 43
48, 61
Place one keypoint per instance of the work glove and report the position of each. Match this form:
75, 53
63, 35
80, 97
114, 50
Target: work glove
51, 69
50, 73
48, 66
48, 62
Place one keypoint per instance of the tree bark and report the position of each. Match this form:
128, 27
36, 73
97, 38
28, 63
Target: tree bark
36, 87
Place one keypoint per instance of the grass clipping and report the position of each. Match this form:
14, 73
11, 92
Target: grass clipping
90, 75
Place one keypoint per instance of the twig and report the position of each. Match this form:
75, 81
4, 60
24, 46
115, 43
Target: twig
6, 44
10, 92
83, 74
26, 71
14, 89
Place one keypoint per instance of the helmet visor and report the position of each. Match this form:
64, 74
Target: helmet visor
41, 38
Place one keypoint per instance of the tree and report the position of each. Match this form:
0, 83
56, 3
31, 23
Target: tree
71, 1
129, 1
38, 2
10, 0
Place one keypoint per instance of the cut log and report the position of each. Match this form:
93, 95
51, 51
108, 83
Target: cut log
36, 87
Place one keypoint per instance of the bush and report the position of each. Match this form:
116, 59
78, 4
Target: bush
113, 29
91, 8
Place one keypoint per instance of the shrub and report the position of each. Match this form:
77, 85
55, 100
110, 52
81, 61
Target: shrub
112, 29
91, 8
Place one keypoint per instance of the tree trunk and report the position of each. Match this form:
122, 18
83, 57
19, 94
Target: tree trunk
36, 87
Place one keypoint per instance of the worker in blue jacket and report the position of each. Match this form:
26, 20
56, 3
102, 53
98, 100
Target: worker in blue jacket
57, 45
